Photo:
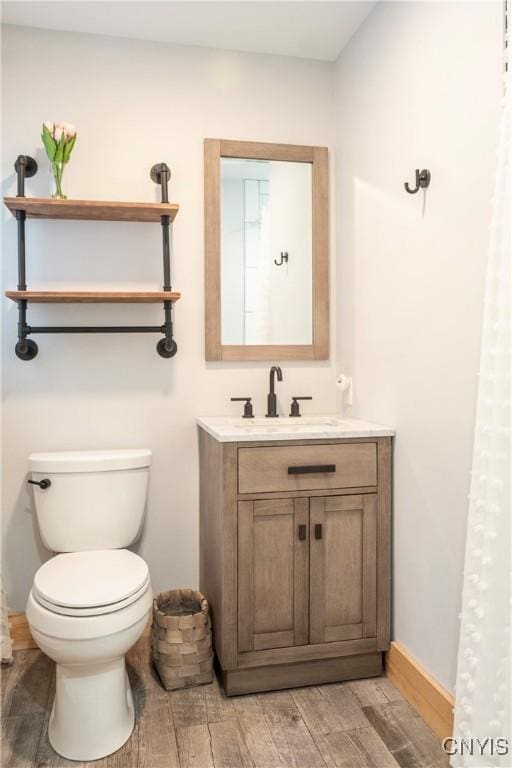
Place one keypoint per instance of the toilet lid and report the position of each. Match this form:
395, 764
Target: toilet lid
91, 579
97, 610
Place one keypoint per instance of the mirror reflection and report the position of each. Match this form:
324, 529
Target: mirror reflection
266, 252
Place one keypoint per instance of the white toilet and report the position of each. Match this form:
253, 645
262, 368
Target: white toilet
89, 605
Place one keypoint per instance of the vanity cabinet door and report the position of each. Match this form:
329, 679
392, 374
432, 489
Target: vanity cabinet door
273, 573
343, 580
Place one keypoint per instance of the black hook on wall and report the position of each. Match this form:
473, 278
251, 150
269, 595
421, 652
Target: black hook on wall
284, 258
422, 181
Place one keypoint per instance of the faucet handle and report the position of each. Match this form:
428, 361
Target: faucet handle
295, 409
248, 414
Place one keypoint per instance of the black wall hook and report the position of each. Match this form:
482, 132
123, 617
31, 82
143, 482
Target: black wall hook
422, 181
284, 257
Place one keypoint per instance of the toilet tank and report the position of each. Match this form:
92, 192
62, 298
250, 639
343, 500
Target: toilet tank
95, 499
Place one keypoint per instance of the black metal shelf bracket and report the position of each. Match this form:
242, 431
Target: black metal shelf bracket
27, 349
166, 347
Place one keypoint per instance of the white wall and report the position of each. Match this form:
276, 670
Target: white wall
135, 104
419, 86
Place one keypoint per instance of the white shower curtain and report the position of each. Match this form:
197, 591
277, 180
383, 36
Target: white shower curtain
482, 708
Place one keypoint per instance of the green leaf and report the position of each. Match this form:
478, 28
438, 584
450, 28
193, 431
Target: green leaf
69, 148
60, 150
50, 144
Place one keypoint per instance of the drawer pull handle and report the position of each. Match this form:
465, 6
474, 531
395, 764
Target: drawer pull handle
318, 531
302, 533
312, 469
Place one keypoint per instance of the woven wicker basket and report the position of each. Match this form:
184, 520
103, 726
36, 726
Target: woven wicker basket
182, 639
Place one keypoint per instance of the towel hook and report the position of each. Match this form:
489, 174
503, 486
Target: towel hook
422, 180
284, 257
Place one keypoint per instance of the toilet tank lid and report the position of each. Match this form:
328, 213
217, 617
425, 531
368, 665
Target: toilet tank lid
90, 461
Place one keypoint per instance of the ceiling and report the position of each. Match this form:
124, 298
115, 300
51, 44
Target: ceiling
315, 30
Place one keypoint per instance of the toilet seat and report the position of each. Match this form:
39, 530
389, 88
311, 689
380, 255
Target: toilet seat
83, 595
86, 627
90, 583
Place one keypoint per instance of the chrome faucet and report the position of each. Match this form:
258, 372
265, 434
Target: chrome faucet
271, 397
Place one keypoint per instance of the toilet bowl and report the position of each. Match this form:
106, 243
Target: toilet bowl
92, 601
86, 624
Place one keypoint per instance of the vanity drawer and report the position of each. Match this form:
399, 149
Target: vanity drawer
307, 467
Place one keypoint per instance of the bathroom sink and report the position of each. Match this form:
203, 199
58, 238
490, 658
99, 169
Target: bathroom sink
227, 429
285, 422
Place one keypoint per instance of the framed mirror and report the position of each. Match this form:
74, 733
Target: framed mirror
266, 251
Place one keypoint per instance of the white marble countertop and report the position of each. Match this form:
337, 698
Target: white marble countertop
235, 429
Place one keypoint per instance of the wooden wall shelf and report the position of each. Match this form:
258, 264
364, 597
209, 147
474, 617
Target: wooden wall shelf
162, 213
91, 210
94, 297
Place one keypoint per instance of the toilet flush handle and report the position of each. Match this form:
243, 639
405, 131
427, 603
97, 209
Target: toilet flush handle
43, 484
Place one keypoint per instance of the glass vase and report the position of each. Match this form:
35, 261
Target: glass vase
56, 173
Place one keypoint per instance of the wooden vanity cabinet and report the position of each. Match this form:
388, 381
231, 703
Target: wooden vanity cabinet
295, 559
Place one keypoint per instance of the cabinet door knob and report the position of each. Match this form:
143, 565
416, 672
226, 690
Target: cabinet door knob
302, 533
318, 531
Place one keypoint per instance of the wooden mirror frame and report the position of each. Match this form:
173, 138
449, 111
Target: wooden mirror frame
214, 150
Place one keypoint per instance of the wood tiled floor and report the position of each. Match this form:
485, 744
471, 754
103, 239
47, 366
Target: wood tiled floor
360, 724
